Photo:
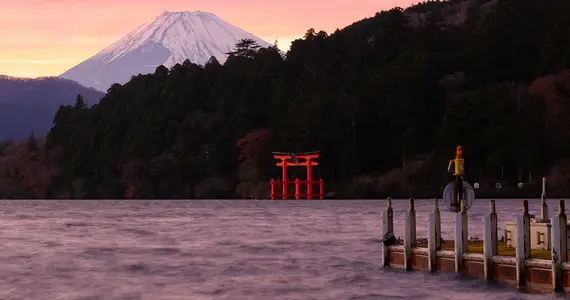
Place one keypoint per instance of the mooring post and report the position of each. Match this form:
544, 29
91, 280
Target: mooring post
461, 236
387, 232
434, 236
409, 234
559, 245
414, 237
543, 205
543, 209
523, 244
490, 240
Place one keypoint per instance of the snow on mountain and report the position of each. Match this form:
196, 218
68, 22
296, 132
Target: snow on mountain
170, 38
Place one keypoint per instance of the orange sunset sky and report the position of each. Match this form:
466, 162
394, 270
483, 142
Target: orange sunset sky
47, 37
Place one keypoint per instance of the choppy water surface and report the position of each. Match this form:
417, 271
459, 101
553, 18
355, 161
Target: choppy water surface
193, 250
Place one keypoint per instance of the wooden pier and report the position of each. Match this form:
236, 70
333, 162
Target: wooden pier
521, 270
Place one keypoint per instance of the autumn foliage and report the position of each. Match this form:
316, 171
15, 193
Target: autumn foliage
554, 89
26, 171
251, 144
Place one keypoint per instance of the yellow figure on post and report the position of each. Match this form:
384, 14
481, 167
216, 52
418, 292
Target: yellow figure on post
457, 194
457, 165
459, 162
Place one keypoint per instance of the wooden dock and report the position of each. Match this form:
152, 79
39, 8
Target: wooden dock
521, 270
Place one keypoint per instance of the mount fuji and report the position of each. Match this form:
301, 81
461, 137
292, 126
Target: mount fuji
170, 38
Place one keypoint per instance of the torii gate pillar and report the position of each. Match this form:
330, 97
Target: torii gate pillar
292, 160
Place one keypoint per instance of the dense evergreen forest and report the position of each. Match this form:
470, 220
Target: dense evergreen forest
386, 100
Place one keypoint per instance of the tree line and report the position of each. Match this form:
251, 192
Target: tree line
385, 100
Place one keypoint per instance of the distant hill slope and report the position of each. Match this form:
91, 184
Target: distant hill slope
170, 38
28, 105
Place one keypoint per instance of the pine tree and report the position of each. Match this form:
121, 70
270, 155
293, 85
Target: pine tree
80, 102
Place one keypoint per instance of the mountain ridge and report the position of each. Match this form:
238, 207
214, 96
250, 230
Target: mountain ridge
170, 38
29, 104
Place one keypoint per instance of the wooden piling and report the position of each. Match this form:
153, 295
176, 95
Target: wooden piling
412, 209
387, 229
461, 236
522, 244
409, 234
434, 236
559, 247
543, 209
490, 240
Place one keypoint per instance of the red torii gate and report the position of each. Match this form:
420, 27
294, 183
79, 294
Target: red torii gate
293, 160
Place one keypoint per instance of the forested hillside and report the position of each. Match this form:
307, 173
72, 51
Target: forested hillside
386, 100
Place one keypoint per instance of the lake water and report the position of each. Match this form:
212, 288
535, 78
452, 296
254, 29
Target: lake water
194, 250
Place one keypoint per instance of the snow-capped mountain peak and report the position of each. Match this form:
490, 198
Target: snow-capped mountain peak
170, 38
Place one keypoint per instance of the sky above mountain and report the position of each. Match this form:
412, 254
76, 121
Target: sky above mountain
47, 37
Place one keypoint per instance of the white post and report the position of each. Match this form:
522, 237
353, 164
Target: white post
409, 234
434, 236
387, 230
413, 234
461, 236
490, 240
543, 205
559, 246
523, 244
